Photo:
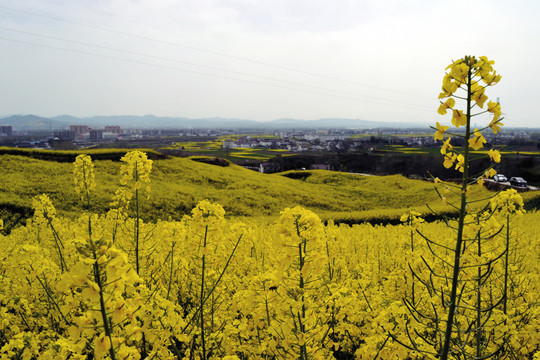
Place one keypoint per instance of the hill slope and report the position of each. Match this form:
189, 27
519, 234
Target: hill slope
178, 184
33, 123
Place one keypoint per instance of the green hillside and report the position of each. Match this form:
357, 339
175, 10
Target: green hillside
178, 184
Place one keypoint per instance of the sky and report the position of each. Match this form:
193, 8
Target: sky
378, 60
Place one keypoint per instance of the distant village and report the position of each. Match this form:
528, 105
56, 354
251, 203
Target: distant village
328, 149
301, 142
292, 140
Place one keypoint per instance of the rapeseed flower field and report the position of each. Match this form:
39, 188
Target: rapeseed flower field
107, 283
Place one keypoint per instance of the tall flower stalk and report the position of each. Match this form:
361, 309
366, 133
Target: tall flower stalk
458, 275
465, 74
135, 172
413, 220
45, 215
83, 176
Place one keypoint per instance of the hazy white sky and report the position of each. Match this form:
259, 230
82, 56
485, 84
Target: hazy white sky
380, 60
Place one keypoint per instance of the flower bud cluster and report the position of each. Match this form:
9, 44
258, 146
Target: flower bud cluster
84, 178
472, 76
134, 173
458, 78
412, 218
507, 202
136, 168
44, 210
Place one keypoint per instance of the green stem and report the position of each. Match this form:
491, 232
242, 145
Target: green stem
203, 269
479, 303
505, 294
87, 192
171, 273
106, 324
412, 277
381, 347
59, 245
115, 227
48, 291
214, 286
137, 222
267, 310
301, 325
459, 241
330, 273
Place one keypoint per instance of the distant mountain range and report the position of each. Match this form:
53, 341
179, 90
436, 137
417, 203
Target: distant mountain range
35, 123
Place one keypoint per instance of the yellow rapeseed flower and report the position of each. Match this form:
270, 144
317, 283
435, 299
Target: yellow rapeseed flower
101, 346
459, 118
137, 167
44, 209
449, 160
83, 171
477, 142
494, 155
459, 71
495, 125
446, 146
412, 218
494, 108
477, 94
439, 134
460, 163
490, 173
507, 202
449, 87
448, 104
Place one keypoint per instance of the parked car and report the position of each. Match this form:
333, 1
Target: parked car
518, 181
500, 178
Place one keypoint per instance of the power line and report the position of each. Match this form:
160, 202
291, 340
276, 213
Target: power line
193, 48
389, 103
204, 66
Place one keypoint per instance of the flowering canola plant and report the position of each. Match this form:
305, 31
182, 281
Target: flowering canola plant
294, 288
110, 286
457, 303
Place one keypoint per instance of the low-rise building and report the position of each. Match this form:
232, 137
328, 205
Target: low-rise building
96, 134
113, 129
321, 167
79, 129
64, 134
6, 130
269, 167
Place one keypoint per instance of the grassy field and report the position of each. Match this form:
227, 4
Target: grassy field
240, 155
401, 149
178, 184
215, 148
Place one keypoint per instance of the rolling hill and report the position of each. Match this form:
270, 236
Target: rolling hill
178, 184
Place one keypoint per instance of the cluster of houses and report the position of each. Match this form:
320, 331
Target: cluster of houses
316, 142
84, 132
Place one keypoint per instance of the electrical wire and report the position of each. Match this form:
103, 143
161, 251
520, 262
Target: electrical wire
206, 67
382, 101
215, 53
212, 52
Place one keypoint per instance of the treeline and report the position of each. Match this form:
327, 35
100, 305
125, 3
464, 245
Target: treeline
526, 166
